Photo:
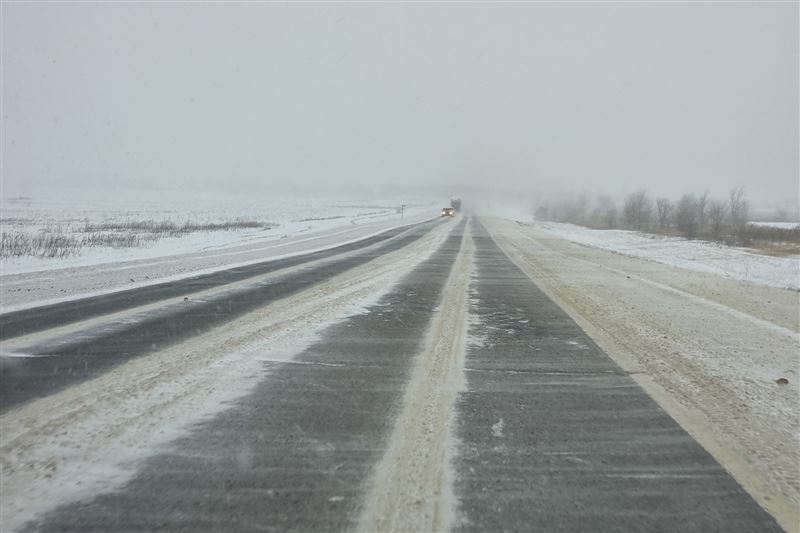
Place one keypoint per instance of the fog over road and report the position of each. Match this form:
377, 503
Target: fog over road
415, 381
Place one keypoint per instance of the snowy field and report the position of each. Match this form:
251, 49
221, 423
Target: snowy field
250, 219
700, 256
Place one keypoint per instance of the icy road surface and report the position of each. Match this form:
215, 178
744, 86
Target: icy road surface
419, 381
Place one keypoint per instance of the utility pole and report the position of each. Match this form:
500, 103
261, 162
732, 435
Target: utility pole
402, 210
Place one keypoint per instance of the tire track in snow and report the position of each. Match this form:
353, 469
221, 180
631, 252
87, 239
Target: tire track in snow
411, 488
90, 439
296, 451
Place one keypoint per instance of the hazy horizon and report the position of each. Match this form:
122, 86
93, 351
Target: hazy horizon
536, 98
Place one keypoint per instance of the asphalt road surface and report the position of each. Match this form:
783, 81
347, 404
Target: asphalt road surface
577, 445
463, 393
51, 365
40, 318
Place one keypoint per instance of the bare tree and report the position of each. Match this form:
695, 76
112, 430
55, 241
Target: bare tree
637, 210
542, 213
738, 210
663, 212
717, 211
568, 211
581, 208
686, 216
610, 217
702, 210
605, 212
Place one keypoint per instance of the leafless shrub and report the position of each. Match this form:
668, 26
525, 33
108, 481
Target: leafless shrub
702, 210
773, 234
575, 210
663, 212
694, 216
171, 227
605, 212
637, 210
60, 243
43, 244
151, 226
118, 240
227, 225
611, 218
738, 210
686, 216
717, 211
542, 212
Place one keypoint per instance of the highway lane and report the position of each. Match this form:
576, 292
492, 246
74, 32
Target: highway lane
554, 436
49, 366
22, 322
295, 454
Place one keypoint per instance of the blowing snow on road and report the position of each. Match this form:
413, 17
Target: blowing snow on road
448, 374
400, 266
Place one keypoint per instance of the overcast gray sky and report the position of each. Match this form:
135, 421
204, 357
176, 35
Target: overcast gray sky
597, 96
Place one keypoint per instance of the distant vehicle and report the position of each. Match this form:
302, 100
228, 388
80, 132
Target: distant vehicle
448, 212
455, 203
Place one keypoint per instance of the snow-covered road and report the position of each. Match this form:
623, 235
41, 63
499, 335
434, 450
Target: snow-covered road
711, 349
423, 381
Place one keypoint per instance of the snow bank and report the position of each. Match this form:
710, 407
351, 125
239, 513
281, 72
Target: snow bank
781, 225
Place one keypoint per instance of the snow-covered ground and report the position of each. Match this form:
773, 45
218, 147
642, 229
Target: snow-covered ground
781, 225
701, 256
298, 226
70, 212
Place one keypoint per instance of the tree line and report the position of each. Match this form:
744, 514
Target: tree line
692, 216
